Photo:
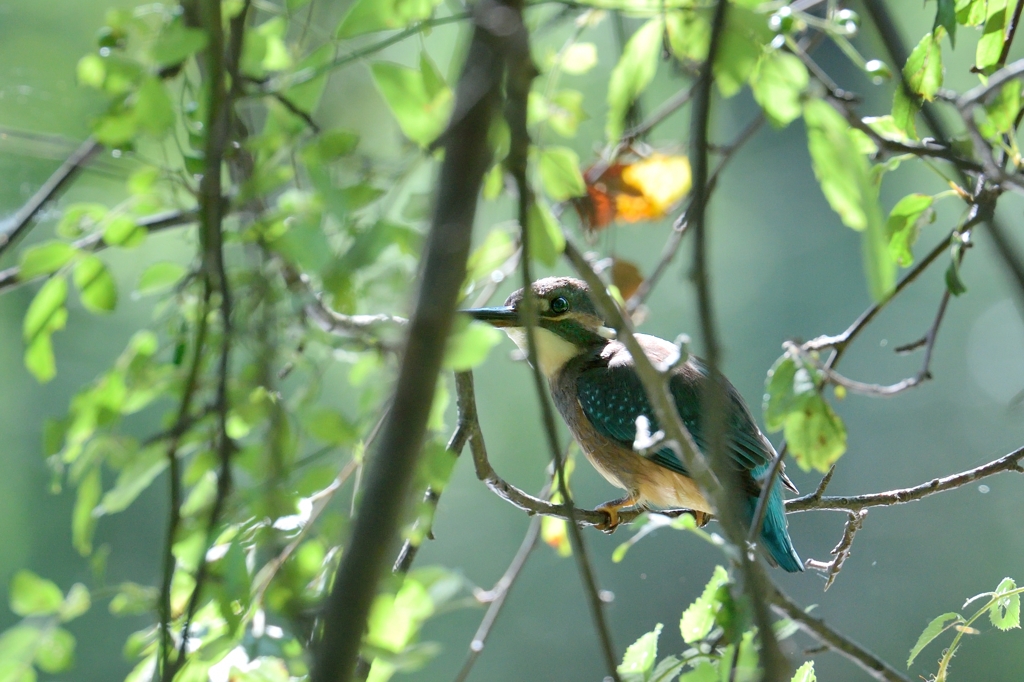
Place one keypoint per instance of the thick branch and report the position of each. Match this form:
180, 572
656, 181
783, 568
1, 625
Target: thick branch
393, 464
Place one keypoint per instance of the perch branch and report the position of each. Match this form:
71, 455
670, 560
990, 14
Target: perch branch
1009, 462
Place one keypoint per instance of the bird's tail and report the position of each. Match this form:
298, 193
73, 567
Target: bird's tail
774, 536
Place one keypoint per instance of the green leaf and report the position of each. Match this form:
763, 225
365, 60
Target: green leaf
560, 173
421, 116
689, 34
495, 250
743, 40
331, 145
546, 239
699, 617
923, 71
632, 74
91, 71
76, 603
56, 651
788, 386
44, 259
436, 466
955, 285
778, 83
159, 276
83, 522
123, 231
80, 218
141, 470
96, 285
934, 629
176, 42
46, 314
640, 656
1003, 109
578, 59
154, 111
846, 182
805, 673
704, 672
367, 16
904, 111
329, 426
990, 45
971, 12
945, 16
816, 435
34, 596
134, 600
395, 619
469, 346
904, 224
1005, 613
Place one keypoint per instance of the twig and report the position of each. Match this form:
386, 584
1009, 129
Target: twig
521, 72
874, 666
842, 551
221, 59
9, 278
407, 554
1011, 31
498, 595
292, 107
356, 55
1009, 462
467, 157
767, 482
22, 220
658, 116
681, 224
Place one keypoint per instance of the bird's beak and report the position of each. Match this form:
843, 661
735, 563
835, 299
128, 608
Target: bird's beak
501, 316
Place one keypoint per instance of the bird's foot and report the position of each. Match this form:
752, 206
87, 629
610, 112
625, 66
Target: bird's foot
611, 509
702, 518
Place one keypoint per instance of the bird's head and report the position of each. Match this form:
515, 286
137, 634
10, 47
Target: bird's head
567, 321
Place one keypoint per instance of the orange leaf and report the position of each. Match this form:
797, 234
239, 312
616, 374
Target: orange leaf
626, 277
633, 192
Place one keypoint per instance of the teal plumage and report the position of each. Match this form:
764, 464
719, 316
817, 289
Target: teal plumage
599, 394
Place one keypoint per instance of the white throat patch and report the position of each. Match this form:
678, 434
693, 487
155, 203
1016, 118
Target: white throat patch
552, 350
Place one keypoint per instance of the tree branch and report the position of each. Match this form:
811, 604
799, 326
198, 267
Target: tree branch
816, 627
22, 220
1009, 462
391, 469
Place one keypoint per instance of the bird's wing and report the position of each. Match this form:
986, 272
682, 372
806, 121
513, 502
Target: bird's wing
613, 397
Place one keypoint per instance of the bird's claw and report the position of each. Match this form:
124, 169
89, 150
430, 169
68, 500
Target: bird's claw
611, 509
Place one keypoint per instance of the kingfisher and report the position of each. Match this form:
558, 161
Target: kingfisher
595, 385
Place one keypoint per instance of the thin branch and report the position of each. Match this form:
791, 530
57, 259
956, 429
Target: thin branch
681, 224
1011, 31
390, 472
22, 220
221, 59
407, 554
816, 627
1009, 462
498, 595
842, 551
767, 483
94, 242
354, 56
292, 107
521, 72
713, 399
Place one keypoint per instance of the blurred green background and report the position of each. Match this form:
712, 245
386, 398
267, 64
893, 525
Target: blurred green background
782, 266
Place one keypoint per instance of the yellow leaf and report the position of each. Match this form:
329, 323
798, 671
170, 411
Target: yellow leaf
662, 179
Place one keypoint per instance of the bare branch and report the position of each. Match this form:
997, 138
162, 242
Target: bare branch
9, 278
816, 627
842, 551
1009, 462
22, 220
521, 72
499, 594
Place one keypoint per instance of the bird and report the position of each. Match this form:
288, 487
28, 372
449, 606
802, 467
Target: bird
597, 390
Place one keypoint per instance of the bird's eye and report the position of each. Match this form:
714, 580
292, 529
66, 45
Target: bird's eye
559, 305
